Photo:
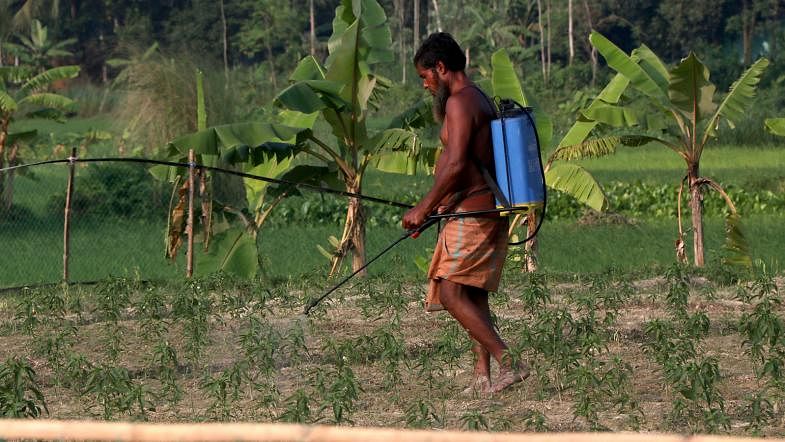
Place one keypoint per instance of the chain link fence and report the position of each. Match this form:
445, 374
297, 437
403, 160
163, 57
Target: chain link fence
120, 213
117, 224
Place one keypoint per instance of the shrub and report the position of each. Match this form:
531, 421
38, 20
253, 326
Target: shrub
115, 190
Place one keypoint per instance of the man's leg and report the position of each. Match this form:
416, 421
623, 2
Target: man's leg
481, 380
508, 374
469, 307
482, 364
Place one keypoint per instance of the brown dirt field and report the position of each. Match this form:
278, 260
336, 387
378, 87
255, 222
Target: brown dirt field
421, 396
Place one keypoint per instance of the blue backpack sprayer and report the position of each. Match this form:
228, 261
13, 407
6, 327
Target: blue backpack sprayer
519, 184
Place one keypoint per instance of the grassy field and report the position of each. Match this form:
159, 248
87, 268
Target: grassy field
745, 166
108, 246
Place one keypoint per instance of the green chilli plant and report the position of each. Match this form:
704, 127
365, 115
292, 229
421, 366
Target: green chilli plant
112, 299
675, 344
763, 330
115, 391
20, 392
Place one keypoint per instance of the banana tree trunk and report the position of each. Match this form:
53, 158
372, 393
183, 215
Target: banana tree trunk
353, 238
531, 247
696, 209
357, 234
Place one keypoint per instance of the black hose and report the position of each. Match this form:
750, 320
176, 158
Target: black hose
218, 169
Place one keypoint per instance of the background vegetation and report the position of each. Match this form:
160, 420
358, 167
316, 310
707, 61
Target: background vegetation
620, 337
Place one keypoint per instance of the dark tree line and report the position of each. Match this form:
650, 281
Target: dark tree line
538, 33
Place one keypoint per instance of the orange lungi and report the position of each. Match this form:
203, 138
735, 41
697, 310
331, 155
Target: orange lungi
469, 251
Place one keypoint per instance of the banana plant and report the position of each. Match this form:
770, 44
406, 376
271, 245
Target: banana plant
229, 235
680, 114
776, 126
230, 229
571, 179
24, 91
38, 49
342, 92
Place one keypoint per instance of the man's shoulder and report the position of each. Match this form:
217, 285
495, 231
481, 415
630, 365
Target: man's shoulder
469, 102
465, 100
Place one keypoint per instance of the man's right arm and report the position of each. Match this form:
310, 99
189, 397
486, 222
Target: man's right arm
452, 164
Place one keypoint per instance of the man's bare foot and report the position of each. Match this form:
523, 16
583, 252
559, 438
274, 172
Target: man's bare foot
509, 377
479, 385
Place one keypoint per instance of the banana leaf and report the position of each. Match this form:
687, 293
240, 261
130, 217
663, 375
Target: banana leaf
577, 182
739, 98
610, 94
7, 103
232, 251
625, 65
47, 77
776, 126
737, 249
689, 89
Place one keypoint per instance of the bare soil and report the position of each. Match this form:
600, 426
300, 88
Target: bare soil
345, 339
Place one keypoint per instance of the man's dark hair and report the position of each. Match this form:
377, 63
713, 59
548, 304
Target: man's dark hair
440, 46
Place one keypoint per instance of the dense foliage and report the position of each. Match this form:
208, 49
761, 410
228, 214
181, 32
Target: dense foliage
259, 42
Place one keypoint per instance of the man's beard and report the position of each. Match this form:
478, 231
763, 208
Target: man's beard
439, 107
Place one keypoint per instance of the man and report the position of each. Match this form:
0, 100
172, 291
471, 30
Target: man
470, 251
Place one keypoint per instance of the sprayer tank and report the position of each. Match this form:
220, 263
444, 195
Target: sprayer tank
517, 160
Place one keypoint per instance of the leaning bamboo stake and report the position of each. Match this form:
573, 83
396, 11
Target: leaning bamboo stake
189, 266
67, 215
145, 432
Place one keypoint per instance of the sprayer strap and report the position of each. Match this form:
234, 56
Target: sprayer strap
492, 184
490, 180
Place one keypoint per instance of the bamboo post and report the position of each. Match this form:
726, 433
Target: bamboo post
67, 215
189, 267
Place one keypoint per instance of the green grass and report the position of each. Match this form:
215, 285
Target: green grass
566, 247
75, 125
726, 164
127, 248
98, 251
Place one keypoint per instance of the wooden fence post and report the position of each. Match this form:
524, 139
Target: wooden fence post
67, 215
189, 267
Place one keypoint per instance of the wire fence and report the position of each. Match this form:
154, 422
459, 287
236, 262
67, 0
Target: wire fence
89, 219
115, 226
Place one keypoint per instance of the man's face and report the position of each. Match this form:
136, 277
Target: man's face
430, 78
438, 89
